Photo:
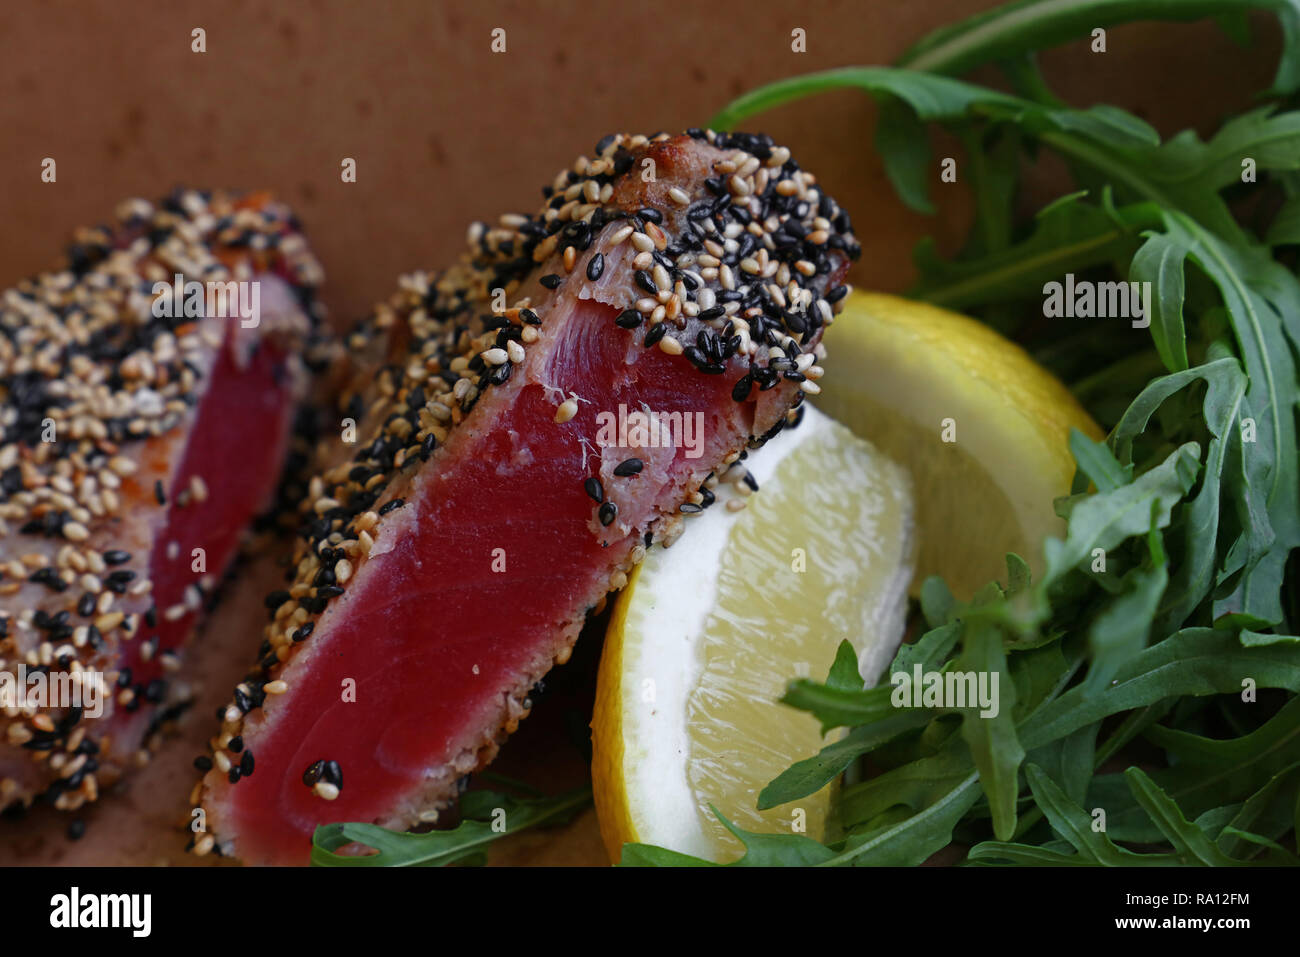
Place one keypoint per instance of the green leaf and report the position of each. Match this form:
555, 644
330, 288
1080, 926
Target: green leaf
992, 737
1160, 263
466, 843
1285, 230
838, 707
844, 675
648, 855
1106, 519
812, 774
1027, 25
1096, 461
903, 143
911, 841
761, 850
1068, 236
1195, 661
1075, 826
1270, 812
1189, 840
1121, 629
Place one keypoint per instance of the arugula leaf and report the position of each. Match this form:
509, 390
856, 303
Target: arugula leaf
1074, 824
1188, 839
1068, 236
761, 850
1121, 629
1016, 28
992, 739
464, 844
1106, 519
1160, 263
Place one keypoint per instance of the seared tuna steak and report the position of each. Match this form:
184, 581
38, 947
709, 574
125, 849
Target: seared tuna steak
546, 410
140, 430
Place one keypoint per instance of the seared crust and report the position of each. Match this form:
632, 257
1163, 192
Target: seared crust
727, 255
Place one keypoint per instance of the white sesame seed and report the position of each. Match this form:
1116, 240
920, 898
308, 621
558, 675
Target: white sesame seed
567, 410
326, 790
679, 197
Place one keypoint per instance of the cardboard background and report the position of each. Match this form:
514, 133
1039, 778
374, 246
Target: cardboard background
445, 132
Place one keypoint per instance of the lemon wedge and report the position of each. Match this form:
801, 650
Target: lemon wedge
981, 427
707, 633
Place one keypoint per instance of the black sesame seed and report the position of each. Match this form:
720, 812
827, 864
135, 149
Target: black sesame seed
116, 556
203, 763
529, 317
744, 385
551, 281
643, 280
234, 775
629, 319
595, 267
607, 513
313, 773
332, 773
158, 492
594, 489
689, 508
236, 744
246, 764
48, 577
657, 332
628, 467
76, 830
389, 506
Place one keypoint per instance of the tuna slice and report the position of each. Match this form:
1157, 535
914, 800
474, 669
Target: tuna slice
100, 580
513, 466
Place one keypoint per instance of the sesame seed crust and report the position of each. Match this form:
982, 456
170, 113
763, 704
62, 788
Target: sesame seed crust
97, 396
730, 258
